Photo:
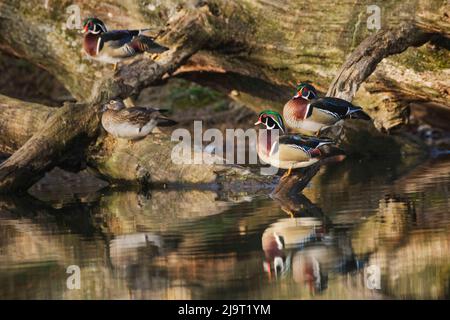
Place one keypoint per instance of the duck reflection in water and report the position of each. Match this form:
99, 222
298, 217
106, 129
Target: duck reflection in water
305, 247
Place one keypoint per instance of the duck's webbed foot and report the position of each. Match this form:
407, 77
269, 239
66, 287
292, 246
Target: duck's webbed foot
131, 143
129, 102
287, 173
288, 211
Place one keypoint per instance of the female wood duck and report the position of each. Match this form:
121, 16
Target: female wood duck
113, 46
290, 151
307, 112
132, 123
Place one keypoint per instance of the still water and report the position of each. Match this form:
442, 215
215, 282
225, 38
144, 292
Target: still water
358, 231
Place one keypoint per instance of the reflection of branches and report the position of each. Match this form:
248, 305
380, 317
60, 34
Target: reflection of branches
298, 204
23, 206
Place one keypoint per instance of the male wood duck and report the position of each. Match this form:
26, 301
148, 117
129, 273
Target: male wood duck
132, 123
307, 112
113, 46
290, 151
281, 237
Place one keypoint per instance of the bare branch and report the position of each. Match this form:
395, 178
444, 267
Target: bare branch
363, 61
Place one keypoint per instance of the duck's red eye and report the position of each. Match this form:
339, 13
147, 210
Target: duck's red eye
305, 91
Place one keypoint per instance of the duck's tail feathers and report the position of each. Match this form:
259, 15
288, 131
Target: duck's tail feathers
359, 114
165, 122
147, 44
158, 109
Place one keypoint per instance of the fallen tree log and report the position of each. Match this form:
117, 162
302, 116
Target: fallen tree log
74, 126
69, 128
19, 120
145, 162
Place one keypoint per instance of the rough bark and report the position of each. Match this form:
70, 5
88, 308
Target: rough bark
19, 120
67, 129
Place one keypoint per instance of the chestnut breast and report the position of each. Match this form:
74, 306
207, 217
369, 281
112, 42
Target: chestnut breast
265, 143
90, 44
296, 109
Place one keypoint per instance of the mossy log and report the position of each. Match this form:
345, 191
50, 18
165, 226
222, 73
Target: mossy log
19, 120
262, 45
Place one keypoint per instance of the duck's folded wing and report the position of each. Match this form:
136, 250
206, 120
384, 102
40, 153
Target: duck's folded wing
138, 116
335, 106
287, 148
141, 116
162, 121
118, 38
305, 142
156, 109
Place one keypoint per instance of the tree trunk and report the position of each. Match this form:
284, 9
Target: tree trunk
19, 121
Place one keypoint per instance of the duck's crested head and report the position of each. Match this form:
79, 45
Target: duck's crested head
271, 120
93, 25
306, 91
114, 105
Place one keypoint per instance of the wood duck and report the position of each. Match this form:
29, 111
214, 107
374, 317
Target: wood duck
132, 123
307, 112
113, 46
281, 237
290, 151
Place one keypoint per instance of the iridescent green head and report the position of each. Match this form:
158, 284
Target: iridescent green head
93, 25
271, 120
306, 91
